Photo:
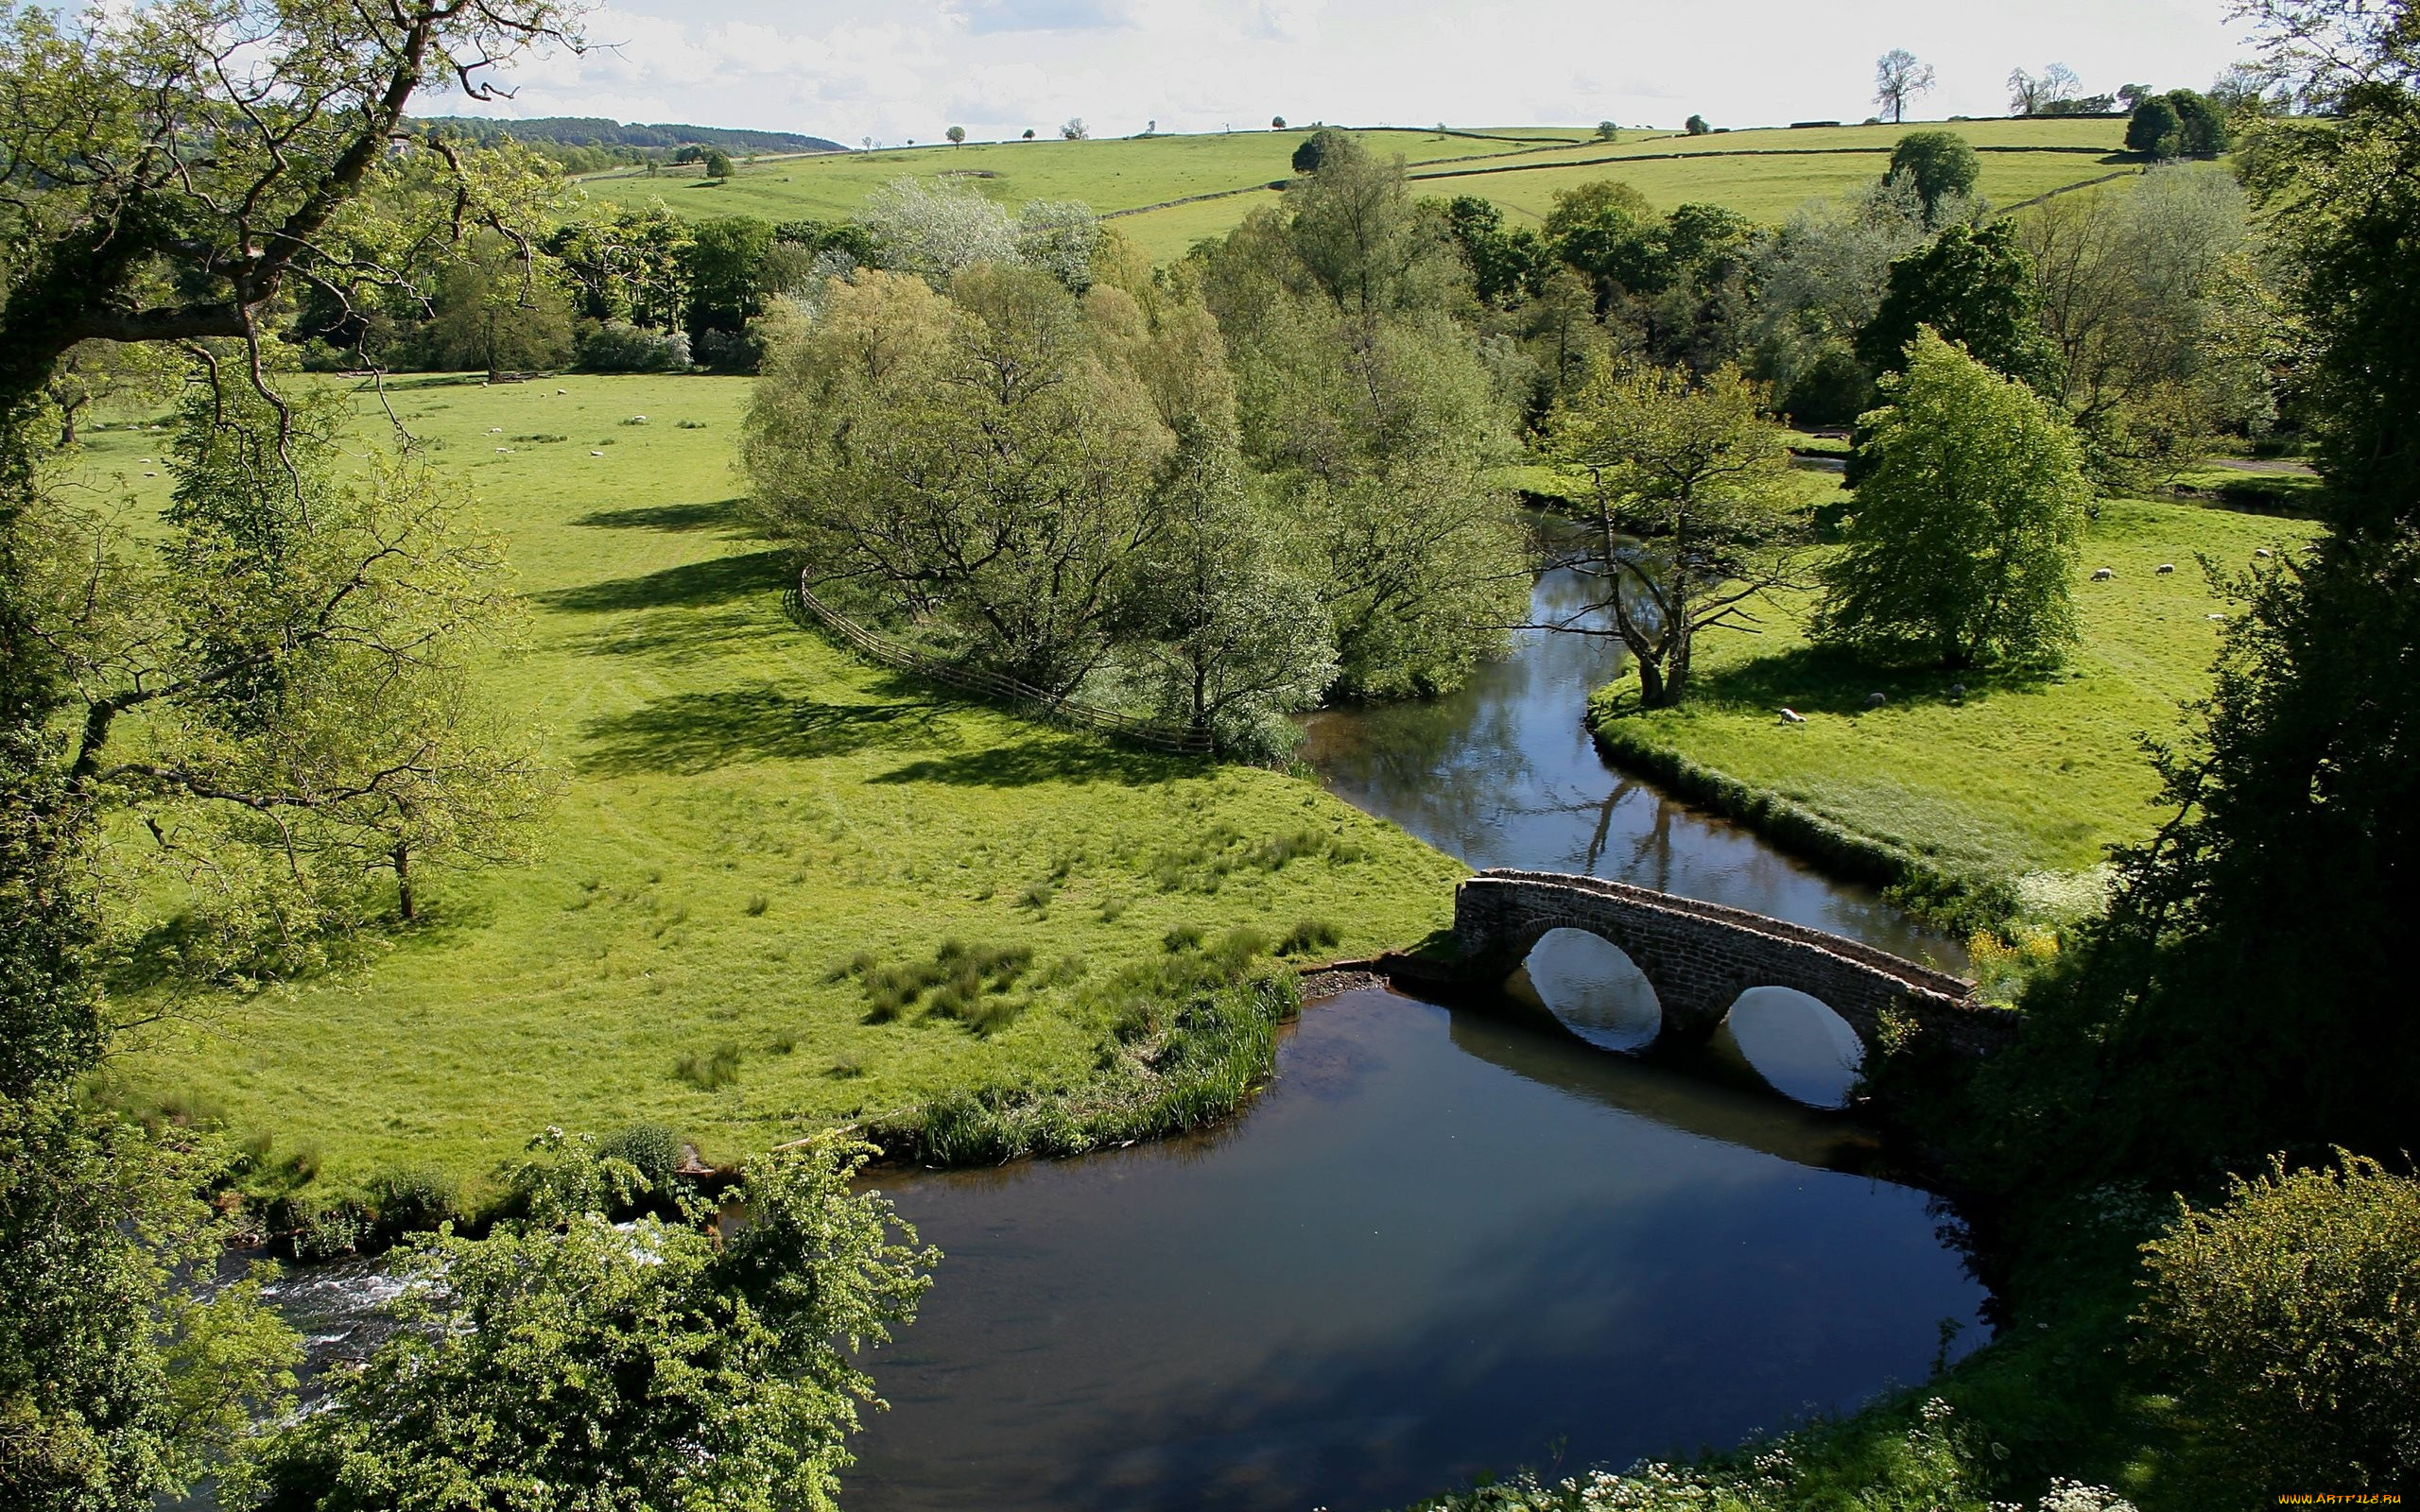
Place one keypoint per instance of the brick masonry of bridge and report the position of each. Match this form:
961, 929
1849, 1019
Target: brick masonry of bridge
1701, 957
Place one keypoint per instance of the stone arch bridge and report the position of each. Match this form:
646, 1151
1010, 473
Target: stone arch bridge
1701, 957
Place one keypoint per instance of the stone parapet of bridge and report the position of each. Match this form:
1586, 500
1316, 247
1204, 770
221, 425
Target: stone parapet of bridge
1701, 957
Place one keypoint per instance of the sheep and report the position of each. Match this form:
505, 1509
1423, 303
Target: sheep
1792, 716
2102, 575
1875, 700
2168, 567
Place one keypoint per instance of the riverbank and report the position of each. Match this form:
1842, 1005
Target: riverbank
770, 866
1993, 806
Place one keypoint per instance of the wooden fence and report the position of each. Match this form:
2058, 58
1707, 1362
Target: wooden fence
804, 607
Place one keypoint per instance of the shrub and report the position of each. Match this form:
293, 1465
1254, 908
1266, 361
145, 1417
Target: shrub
1182, 938
653, 1149
318, 1229
413, 1199
619, 347
2291, 1315
757, 905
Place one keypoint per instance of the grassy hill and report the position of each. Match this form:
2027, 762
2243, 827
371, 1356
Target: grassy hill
748, 808
1764, 173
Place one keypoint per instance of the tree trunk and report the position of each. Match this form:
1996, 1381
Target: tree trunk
1652, 693
402, 858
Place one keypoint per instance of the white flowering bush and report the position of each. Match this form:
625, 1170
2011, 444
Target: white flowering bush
1933, 1466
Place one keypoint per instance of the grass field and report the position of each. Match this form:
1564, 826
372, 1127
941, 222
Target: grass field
2028, 775
748, 808
1764, 173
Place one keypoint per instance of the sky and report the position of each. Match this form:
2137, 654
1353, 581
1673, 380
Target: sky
997, 68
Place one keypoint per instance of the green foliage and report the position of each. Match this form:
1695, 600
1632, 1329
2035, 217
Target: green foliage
722, 265
709, 1070
414, 1199
1970, 285
1696, 512
1941, 164
2153, 131
650, 1365
1965, 530
2289, 1317
113, 1387
2201, 127
2243, 987
281, 690
497, 310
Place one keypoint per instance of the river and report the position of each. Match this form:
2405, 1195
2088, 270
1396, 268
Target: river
1444, 1242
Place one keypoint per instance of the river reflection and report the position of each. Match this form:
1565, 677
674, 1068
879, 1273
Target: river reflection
1504, 774
1439, 1244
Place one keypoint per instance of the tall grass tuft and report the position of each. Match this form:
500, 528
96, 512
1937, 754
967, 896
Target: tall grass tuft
711, 1070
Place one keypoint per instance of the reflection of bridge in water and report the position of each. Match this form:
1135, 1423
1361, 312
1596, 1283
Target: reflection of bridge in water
1700, 957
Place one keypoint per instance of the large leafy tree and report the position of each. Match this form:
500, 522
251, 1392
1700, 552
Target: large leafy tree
1965, 529
1695, 512
168, 173
970, 459
1970, 284
1941, 164
568, 1363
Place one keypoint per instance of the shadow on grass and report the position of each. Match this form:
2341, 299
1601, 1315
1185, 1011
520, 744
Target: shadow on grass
672, 517
1835, 680
1042, 759
691, 732
696, 585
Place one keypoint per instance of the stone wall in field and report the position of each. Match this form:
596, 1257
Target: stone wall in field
1701, 957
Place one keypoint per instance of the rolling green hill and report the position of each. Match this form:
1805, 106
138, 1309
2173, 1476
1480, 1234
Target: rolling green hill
1764, 173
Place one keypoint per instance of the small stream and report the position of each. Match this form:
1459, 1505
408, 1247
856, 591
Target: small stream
1444, 1242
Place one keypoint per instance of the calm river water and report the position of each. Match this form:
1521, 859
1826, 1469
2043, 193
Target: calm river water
1442, 1242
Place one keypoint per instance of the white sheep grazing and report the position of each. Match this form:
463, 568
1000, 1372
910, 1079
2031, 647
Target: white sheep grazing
1875, 700
1792, 716
596, 454
2168, 566
2262, 551
2102, 575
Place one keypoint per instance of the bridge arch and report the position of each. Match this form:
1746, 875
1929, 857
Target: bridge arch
1701, 957
1795, 1042
1593, 989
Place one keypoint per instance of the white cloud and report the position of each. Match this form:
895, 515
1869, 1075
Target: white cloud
997, 66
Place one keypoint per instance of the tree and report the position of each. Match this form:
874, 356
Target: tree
2039, 94
2153, 130
1314, 149
1941, 164
956, 135
497, 311
1898, 78
1973, 286
2242, 995
1230, 636
1819, 281
2201, 127
2131, 97
1072, 129
624, 263
178, 173
100, 372
1028, 133
1606, 229
1506, 266
650, 1363
967, 460
1608, 131
2136, 294
1966, 524
1697, 125
723, 266
1277, 123
718, 163
280, 697
1696, 513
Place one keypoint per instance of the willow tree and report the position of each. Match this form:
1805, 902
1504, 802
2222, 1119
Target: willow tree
1694, 513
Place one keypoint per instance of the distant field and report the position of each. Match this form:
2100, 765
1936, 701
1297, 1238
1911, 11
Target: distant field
1764, 174
749, 807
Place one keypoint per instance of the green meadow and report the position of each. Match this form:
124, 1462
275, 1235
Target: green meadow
746, 809
2027, 776
1764, 173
